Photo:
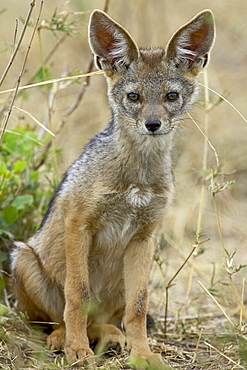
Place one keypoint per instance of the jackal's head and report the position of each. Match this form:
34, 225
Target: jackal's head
149, 89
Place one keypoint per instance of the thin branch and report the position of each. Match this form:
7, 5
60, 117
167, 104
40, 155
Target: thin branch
15, 33
170, 283
241, 310
197, 346
49, 56
34, 119
26, 136
227, 101
217, 304
207, 140
69, 111
205, 157
80, 96
106, 7
83, 87
52, 81
228, 358
32, 5
22, 70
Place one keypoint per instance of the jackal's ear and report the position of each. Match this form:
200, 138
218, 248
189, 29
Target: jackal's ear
112, 45
189, 47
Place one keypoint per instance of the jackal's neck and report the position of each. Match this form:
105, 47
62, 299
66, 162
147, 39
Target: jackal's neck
143, 158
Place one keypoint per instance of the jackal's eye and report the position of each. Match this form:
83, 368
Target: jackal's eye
133, 97
172, 96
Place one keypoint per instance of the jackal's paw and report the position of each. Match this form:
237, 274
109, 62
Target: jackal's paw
79, 355
56, 340
112, 341
152, 361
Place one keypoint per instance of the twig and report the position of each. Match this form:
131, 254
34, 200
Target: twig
197, 346
207, 140
32, 4
34, 119
52, 81
169, 285
222, 354
69, 111
178, 250
83, 87
80, 95
207, 108
48, 57
26, 136
227, 101
241, 310
219, 225
205, 156
106, 7
29, 83
217, 303
15, 33
240, 301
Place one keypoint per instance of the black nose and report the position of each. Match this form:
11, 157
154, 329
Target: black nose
153, 125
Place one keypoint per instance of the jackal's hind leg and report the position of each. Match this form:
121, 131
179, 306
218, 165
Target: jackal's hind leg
37, 295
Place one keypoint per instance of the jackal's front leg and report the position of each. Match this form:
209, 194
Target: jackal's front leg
137, 265
77, 243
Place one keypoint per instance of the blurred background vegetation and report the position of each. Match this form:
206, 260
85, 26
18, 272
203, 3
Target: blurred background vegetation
29, 172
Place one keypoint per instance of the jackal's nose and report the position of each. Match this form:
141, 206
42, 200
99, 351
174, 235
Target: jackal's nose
153, 125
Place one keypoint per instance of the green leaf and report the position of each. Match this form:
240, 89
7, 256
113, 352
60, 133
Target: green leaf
2, 286
6, 173
23, 201
10, 215
237, 269
3, 168
6, 234
3, 310
43, 74
3, 255
24, 315
20, 166
243, 350
35, 176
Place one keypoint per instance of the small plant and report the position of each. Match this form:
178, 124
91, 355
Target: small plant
23, 198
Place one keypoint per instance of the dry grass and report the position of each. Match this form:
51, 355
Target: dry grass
187, 346
203, 209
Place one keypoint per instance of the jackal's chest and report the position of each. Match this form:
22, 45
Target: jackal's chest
137, 197
121, 215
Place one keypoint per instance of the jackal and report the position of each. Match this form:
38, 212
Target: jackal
87, 267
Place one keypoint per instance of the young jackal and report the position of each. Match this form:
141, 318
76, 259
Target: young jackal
88, 265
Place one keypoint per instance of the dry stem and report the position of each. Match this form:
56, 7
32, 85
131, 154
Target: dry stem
170, 283
32, 4
227, 101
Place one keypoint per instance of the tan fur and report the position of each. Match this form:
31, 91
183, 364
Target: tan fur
87, 267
